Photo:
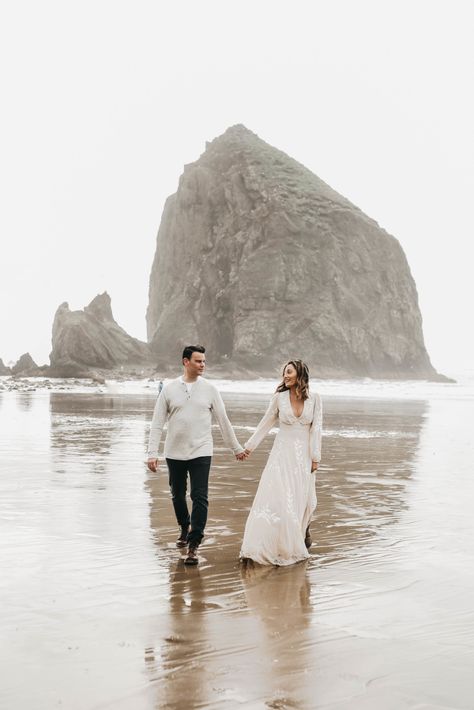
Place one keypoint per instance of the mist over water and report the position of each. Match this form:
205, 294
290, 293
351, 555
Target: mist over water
99, 611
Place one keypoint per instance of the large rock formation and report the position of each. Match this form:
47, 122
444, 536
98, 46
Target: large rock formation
259, 259
88, 339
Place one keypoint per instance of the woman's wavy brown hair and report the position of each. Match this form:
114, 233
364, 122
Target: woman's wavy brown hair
302, 379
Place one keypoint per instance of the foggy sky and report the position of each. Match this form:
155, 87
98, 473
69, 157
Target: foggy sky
104, 102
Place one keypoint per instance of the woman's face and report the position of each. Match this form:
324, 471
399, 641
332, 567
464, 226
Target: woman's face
289, 375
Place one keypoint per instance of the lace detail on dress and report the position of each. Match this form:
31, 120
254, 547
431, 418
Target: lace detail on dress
307, 415
266, 513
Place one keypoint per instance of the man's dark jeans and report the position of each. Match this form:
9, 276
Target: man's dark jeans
198, 470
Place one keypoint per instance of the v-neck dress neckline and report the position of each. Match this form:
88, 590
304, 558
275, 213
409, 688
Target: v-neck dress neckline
296, 416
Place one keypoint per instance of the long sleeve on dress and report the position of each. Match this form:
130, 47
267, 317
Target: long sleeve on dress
268, 421
315, 433
157, 423
230, 440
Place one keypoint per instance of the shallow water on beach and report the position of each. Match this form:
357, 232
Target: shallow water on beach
98, 611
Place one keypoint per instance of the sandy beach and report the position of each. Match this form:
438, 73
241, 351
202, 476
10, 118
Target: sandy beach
98, 611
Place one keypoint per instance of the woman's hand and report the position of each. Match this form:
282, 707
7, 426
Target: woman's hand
314, 466
247, 453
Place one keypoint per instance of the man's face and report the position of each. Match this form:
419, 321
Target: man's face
195, 365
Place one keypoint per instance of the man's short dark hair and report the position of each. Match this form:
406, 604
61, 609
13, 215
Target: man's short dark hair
190, 349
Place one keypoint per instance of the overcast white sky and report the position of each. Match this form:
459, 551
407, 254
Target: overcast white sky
103, 103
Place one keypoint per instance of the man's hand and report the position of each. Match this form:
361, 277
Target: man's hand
314, 466
152, 465
243, 455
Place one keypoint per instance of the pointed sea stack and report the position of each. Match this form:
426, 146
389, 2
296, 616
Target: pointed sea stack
25, 366
88, 339
260, 260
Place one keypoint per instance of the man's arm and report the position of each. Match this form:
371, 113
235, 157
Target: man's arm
156, 430
230, 440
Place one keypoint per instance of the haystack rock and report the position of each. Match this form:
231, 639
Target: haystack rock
25, 366
4, 370
88, 339
259, 259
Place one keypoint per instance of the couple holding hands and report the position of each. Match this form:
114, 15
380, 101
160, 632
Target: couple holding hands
277, 528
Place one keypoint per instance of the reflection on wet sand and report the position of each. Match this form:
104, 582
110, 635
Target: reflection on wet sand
227, 625
186, 645
280, 602
84, 437
96, 590
25, 401
245, 633
362, 483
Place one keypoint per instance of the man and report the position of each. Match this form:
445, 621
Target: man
188, 403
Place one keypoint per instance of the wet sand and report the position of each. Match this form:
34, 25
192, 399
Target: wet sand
99, 612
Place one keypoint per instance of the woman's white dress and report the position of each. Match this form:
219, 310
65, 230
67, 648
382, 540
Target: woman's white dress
286, 495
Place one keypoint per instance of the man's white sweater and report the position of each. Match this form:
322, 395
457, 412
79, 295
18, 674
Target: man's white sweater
189, 416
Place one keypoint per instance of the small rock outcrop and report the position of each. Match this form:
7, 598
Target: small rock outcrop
4, 370
84, 341
259, 259
25, 366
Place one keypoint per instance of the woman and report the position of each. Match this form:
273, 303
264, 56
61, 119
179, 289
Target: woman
277, 529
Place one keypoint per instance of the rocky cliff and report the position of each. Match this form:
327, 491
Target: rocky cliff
259, 259
91, 339
25, 366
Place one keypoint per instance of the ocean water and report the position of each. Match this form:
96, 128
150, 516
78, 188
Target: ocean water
461, 388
